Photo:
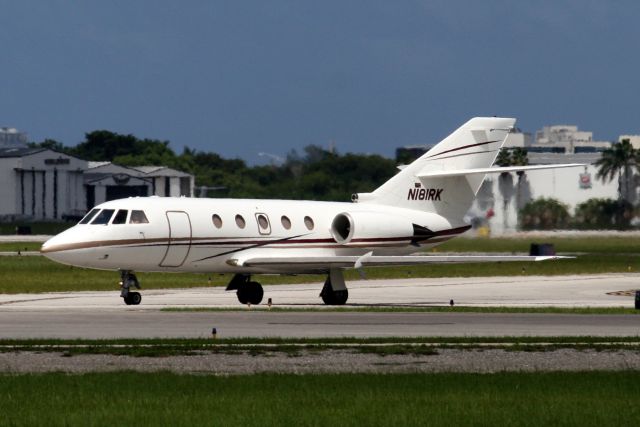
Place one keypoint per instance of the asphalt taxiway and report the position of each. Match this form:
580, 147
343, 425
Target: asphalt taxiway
153, 324
103, 315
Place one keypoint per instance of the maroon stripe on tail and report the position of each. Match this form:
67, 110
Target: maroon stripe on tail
462, 148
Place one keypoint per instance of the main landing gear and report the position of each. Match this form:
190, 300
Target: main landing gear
248, 292
127, 280
335, 291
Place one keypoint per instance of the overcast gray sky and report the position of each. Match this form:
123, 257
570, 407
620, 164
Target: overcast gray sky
241, 77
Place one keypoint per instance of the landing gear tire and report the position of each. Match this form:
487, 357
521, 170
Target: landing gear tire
250, 293
133, 298
331, 297
127, 281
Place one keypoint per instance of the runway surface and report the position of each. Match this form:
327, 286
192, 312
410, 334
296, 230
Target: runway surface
153, 324
103, 315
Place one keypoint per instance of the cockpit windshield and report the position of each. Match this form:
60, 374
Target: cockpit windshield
138, 217
103, 217
88, 217
121, 217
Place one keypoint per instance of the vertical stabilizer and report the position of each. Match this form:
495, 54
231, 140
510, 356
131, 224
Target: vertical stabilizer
474, 145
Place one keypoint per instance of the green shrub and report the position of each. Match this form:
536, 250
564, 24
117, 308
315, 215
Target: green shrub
544, 214
603, 214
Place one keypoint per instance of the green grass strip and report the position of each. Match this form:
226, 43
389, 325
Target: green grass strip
20, 246
128, 398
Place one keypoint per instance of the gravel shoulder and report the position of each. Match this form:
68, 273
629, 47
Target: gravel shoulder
328, 361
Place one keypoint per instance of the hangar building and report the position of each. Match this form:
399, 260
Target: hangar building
43, 184
107, 181
40, 183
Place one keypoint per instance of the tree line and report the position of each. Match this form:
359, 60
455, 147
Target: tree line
313, 174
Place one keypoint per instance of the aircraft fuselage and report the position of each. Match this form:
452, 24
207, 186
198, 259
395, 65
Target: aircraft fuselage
203, 235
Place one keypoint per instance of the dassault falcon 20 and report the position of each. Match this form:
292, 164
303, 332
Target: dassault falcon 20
421, 206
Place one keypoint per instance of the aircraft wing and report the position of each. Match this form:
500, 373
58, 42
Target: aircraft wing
368, 260
483, 171
493, 169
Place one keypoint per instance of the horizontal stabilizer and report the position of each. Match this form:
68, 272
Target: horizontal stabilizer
373, 261
482, 171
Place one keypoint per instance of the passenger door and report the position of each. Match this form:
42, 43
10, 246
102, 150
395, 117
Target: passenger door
179, 242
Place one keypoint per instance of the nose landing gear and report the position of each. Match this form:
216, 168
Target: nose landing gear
127, 280
133, 298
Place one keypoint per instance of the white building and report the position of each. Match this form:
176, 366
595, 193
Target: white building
106, 181
42, 184
168, 182
501, 197
12, 138
517, 138
566, 139
39, 183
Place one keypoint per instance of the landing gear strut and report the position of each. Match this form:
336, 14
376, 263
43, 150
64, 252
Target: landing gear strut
127, 280
248, 292
335, 291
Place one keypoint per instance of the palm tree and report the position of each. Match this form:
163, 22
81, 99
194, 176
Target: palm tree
504, 157
519, 158
619, 159
512, 157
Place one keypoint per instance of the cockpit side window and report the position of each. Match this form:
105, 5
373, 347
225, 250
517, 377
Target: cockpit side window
103, 217
88, 217
121, 217
138, 217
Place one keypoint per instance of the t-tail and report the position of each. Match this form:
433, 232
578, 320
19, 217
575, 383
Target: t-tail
472, 146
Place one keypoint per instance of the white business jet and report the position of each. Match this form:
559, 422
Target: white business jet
421, 206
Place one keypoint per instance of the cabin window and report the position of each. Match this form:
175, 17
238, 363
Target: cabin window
263, 222
240, 221
217, 221
286, 222
103, 217
88, 217
121, 217
308, 222
138, 217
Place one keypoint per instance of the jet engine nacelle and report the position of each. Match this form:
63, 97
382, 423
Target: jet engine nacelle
353, 227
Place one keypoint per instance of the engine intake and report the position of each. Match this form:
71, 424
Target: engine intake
357, 227
342, 228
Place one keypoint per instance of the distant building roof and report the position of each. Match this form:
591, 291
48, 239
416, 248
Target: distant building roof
93, 165
19, 151
160, 171
555, 158
101, 170
148, 169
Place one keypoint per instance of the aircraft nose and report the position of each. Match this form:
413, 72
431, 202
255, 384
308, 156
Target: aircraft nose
51, 247
47, 246
58, 247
